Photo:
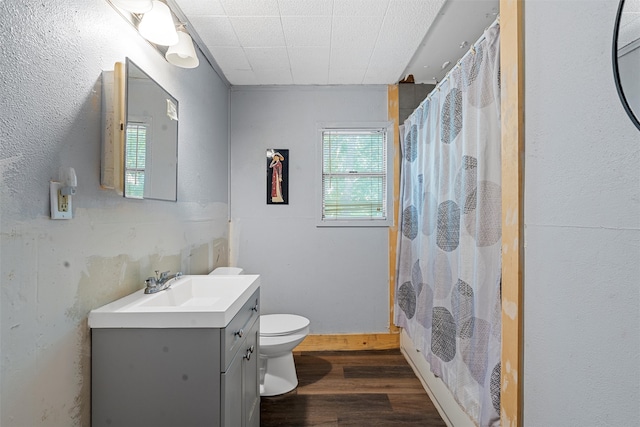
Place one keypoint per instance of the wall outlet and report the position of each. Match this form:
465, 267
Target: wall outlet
63, 202
60, 204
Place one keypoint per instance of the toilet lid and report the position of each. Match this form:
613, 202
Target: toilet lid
273, 325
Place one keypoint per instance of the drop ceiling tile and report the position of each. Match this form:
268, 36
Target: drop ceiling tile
355, 32
309, 57
346, 76
274, 77
367, 39
383, 58
388, 62
360, 7
404, 29
274, 58
258, 32
416, 7
306, 8
230, 58
310, 76
350, 57
241, 77
251, 7
307, 31
199, 7
215, 31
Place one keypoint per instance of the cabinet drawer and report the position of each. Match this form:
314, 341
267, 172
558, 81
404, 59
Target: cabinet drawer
232, 336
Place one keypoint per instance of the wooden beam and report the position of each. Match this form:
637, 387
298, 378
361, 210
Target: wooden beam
349, 342
512, 112
393, 108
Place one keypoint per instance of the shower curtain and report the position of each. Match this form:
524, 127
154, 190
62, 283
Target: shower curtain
449, 249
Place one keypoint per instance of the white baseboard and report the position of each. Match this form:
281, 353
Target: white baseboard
449, 409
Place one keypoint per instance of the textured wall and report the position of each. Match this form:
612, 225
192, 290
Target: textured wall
337, 277
582, 217
54, 272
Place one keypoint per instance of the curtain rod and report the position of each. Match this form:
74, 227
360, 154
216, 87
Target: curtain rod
472, 50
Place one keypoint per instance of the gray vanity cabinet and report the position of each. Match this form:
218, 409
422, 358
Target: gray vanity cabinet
187, 377
241, 399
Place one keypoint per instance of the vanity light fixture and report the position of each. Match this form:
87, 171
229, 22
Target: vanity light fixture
161, 26
157, 25
134, 6
183, 54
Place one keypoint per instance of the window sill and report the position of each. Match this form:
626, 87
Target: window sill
355, 223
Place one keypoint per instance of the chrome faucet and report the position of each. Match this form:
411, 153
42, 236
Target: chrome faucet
161, 282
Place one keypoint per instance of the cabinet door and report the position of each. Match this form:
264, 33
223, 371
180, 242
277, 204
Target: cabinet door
251, 380
231, 380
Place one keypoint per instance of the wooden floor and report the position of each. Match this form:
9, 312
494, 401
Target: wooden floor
352, 388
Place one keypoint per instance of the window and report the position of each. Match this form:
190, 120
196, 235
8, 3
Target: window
135, 159
354, 181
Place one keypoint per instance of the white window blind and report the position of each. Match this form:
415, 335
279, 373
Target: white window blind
354, 174
135, 159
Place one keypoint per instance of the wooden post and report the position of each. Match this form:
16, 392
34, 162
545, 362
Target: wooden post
394, 116
512, 84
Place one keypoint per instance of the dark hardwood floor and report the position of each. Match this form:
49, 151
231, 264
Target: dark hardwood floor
352, 388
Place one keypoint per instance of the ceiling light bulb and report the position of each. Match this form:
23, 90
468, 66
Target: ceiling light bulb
183, 54
157, 25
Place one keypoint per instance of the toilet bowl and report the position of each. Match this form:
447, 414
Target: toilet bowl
279, 335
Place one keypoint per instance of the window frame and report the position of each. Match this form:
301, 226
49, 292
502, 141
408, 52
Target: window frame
387, 128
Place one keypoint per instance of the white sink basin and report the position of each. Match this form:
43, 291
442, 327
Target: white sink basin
196, 301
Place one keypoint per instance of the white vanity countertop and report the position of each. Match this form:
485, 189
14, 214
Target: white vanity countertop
196, 301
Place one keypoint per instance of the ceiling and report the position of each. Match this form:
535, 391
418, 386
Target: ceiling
333, 42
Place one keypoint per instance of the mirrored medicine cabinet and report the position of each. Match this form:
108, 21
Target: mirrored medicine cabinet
140, 135
626, 57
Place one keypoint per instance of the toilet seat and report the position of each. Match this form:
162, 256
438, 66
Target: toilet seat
277, 325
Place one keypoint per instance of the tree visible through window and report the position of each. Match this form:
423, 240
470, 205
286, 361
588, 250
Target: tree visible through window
135, 159
354, 174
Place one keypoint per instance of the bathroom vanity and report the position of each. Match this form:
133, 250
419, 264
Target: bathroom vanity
186, 356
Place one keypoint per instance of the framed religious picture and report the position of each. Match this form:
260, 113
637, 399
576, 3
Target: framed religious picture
277, 176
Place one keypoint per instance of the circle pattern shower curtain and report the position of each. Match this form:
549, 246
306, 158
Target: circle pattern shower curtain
449, 262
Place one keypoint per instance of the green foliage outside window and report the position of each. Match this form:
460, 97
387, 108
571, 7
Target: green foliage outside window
354, 168
135, 159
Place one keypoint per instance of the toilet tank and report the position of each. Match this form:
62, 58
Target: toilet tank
227, 271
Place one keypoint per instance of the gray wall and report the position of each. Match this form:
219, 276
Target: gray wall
54, 272
582, 218
337, 277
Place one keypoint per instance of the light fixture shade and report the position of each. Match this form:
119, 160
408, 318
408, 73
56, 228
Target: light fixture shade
157, 25
183, 54
134, 6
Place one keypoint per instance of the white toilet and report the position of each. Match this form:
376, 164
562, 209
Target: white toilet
279, 335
